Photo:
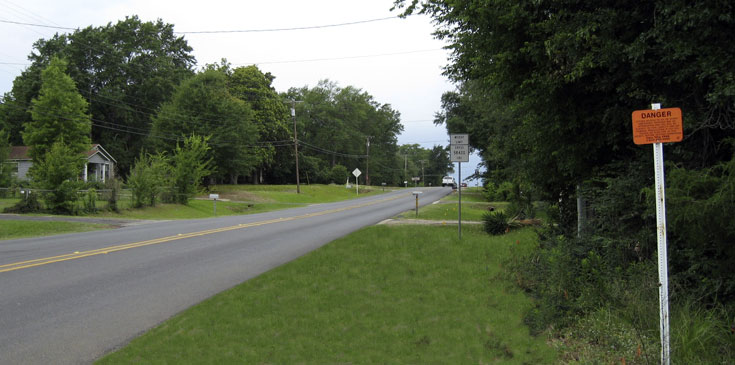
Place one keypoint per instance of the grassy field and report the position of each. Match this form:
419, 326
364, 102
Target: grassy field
385, 294
234, 200
473, 208
12, 229
286, 194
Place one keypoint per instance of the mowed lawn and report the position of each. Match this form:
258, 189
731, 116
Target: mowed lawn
12, 229
384, 294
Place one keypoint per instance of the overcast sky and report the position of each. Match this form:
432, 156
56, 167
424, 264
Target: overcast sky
397, 61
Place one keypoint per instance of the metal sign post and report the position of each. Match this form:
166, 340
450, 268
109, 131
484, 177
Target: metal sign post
214, 198
656, 126
357, 173
416, 194
459, 151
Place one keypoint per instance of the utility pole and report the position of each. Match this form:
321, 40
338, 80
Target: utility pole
405, 166
295, 145
367, 169
423, 177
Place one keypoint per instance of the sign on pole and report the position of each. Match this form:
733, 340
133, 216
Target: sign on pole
357, 174
459, 151
656, 126
459, 139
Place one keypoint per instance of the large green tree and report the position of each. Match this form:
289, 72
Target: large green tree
59, 114
569, 74
270, 113
335, 124
124, 70
203, 106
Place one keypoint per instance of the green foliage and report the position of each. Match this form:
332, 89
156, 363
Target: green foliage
5, 168
412, 157
112, 194
90, 201
59, 114
149, 178
335, 124
338, 174
124, 69
203, 106
27, 204
189, 166
699, 209
498, 193
270, 113
57, 171
496, 223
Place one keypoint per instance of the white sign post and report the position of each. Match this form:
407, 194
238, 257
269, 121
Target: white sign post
214, 198
459, 151
654, 127
663, 271
357, 173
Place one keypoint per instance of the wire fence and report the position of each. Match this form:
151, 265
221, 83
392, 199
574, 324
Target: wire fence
86, 199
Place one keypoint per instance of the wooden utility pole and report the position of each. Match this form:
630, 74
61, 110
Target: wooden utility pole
295, 145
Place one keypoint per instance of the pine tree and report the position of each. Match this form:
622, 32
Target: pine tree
58, 114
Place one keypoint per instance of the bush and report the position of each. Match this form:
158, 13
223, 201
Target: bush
28, 204
502, 192
148, 179
90, 201
338, 174
496, 223
112, 193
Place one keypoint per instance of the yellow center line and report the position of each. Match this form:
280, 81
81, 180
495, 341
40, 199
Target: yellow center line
105, 250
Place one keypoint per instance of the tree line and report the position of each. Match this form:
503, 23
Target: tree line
546, 89
138, 94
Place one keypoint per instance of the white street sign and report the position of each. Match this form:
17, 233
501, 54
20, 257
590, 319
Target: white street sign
459, 153
457, 139
357, 172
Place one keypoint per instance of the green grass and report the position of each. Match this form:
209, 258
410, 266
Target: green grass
468, 195
286, 194
7, 202
11, 229
473, 209
238, 199
193, 210
384, 294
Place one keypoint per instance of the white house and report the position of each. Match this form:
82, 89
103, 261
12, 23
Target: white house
100, 164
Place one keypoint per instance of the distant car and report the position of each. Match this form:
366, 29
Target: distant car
448, 181
464, 185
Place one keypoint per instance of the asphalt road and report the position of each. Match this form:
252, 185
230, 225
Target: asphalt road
70, 299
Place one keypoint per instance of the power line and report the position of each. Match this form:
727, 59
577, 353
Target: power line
36, 25
289, 29
341, 58
225, 31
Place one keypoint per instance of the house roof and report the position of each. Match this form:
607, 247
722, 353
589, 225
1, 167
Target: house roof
20, 153
97, 149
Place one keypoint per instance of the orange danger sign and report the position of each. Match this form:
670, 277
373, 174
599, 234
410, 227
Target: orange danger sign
657, 126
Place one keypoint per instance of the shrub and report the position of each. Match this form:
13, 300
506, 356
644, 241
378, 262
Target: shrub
28, 204
496, 223
90, 201
338, 174
112, 193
